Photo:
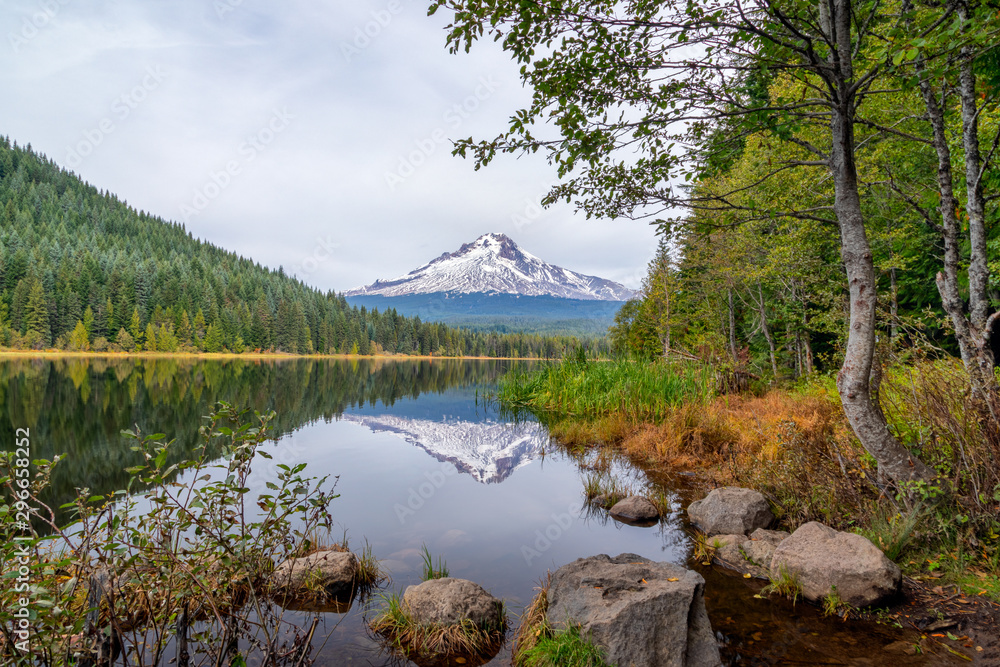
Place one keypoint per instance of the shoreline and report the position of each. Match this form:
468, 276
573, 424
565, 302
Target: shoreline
275, 356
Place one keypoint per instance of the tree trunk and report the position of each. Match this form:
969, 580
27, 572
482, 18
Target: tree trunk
982, 375
767, 331
853, 380
947, 279
732, 326
971, 331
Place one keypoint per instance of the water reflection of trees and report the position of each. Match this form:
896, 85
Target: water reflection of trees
78, 406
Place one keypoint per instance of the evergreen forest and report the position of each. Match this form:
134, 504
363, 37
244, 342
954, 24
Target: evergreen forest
82, 270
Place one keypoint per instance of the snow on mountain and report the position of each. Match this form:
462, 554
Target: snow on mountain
493, 263
489, 451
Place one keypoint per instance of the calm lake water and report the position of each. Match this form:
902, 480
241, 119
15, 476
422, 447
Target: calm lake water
420, 459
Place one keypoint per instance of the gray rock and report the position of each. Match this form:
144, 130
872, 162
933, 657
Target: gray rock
450, 601
635, 509
323, 573
747, 557
823, 559
731, 510
772, 537
720, 541
640, 612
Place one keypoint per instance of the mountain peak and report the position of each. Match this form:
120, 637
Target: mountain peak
494, 263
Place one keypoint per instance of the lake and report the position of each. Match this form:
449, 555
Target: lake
420, 459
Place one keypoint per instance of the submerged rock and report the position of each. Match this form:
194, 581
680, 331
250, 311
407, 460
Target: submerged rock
828, 561
731, 510
635, 510
320, 575
639, 611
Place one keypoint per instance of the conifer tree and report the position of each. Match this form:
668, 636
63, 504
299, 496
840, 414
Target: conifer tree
135, 327
88, 323
184, 330
150, 338
37, 313
213, 339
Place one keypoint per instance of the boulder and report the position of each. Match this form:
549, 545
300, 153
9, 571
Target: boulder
746, 557
826, 560
772, 537
639, 611
719, 541
451, 601
323, 574
636, 510
731, 510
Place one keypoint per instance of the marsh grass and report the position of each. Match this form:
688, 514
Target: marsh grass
533, 622
834, 605
459, 643
636, 390
705, 548
566, 648
785, 584
432, 570
796, 447
370, 573
538, 644
604, 490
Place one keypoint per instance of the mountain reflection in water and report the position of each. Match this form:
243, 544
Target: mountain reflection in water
489, 450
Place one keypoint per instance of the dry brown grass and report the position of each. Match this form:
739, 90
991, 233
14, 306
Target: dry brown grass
533, 625
796, 448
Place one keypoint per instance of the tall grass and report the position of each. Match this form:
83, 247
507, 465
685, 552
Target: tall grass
432, 570
637, 391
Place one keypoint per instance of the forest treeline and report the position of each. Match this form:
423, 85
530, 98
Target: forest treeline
82, 270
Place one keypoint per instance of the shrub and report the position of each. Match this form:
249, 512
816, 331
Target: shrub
190, 564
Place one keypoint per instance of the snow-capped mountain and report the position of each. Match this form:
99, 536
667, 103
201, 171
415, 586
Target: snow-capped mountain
494, 264
489, 451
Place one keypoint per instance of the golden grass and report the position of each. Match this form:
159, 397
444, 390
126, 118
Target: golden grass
796, 448
533, 625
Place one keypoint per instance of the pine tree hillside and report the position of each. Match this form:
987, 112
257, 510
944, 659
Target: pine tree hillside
82, 270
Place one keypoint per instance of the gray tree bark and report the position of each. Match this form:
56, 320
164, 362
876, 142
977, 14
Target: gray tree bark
853, 381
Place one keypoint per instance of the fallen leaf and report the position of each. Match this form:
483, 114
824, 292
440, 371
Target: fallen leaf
979, 648
668, 579
747, 575
644, 581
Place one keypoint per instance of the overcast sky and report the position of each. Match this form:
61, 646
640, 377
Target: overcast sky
309, 134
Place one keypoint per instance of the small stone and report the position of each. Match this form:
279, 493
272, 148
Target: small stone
635, 509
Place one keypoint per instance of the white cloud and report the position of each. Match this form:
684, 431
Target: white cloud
357, 114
